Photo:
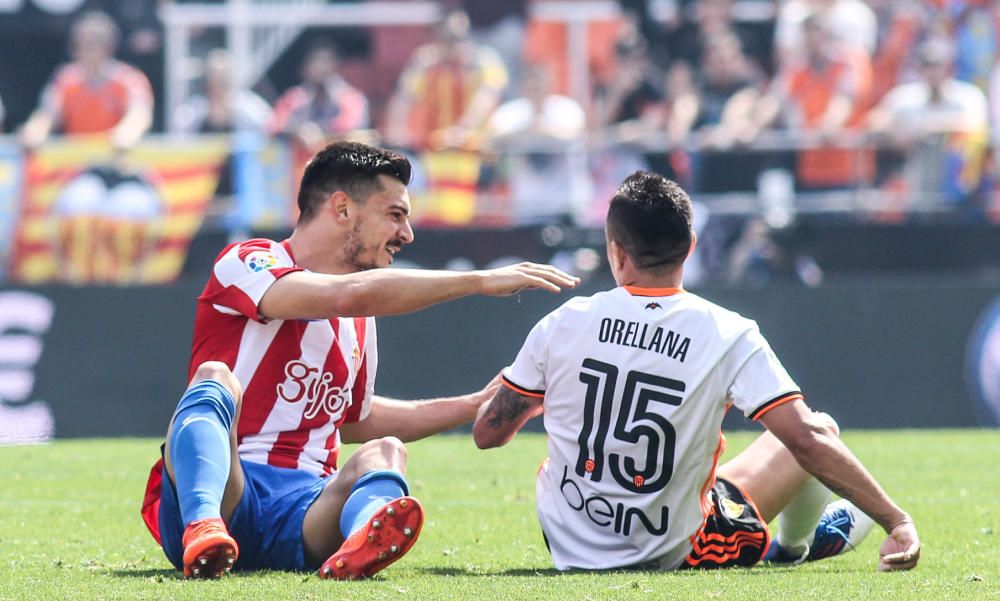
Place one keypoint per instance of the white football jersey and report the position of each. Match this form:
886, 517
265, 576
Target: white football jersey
635, 383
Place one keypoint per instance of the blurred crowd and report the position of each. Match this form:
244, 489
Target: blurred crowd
722, 95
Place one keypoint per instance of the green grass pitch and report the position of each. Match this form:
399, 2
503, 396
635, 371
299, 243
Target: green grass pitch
70, 529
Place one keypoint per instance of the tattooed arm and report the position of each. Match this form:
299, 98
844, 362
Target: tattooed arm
500, 419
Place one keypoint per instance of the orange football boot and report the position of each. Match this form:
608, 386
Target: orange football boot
209, 551
387, 536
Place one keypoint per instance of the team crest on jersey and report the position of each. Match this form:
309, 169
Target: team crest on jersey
732, 509
654, 306
259, 260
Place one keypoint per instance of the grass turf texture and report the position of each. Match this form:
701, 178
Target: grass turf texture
70, 529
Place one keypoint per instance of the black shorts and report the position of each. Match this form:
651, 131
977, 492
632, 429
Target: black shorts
734, 533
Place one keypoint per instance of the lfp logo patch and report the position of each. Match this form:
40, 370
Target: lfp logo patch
259, 260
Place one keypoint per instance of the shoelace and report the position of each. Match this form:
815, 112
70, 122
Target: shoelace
834, 527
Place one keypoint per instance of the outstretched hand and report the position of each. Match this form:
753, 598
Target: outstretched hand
511, 279
490, 390
901, 550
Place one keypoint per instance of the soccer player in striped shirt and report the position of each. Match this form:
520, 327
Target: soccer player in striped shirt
283, 369
634, 383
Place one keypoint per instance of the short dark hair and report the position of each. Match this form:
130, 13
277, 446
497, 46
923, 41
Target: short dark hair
650, 217
349, 166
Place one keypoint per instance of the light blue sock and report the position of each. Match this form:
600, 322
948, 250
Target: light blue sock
368, 495
199, 449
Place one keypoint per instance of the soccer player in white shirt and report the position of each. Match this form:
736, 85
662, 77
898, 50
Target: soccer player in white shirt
634, 383
282, 370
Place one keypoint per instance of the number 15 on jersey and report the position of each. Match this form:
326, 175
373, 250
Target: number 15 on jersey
637, 420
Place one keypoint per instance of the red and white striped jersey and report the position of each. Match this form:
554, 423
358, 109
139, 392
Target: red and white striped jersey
301, 379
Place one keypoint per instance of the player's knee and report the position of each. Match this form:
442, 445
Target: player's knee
826, 421
219, 372
392, 448
382, 453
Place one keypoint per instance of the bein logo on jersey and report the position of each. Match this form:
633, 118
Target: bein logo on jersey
603, 513
316, 387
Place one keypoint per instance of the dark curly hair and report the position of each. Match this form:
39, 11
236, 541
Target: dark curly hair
650, 217
351, 167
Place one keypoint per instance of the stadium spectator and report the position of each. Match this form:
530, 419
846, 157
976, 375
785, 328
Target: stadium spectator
447, 91
548, 36
900, 26
635, 383
974, 29
706, 19
633, 102
501, 26
222, 108
719, 111
851, 22
630, 112
940, 123
283, 369
818, 98
540, 134
324, 106
93, 94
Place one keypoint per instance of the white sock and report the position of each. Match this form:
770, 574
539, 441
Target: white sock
798, 520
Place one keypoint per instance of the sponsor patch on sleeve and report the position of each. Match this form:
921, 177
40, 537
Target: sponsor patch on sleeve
261, 260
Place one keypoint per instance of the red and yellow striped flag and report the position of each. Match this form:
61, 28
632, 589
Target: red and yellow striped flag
450, 196
90, 216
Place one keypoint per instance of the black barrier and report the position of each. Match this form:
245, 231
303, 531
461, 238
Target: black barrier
113, 361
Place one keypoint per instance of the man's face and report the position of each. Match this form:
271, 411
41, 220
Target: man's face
91, 46
381, 226
320, 65
934, 73
536, 86
817, 39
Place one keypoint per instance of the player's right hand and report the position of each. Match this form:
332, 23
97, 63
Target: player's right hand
511, 279
901, 550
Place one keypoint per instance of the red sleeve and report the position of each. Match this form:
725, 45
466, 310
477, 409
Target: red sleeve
284, 108
242, 275
137, 86
353, 112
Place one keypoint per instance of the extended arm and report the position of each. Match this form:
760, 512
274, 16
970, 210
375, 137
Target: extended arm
836, 115
501, 418
38, 127
307, 295
823, 455
133, 125
413, 420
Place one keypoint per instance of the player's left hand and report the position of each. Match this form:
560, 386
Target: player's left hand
511, 279
901, 550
